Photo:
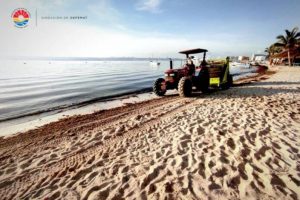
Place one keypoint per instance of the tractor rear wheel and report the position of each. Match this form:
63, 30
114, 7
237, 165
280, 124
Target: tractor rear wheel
185, 87
159, 87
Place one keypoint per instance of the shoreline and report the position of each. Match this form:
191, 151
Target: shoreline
19, 125
123, 95
81, 104
171, 147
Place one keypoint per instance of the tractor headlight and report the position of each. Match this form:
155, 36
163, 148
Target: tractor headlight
170, 74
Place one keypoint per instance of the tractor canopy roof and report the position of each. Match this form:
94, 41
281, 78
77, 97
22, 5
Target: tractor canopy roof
193, 51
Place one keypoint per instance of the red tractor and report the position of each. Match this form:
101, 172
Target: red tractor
203, 77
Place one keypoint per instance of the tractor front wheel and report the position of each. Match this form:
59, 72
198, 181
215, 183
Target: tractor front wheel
160, 87
185, 87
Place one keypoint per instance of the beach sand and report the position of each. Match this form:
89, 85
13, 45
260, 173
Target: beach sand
242, 143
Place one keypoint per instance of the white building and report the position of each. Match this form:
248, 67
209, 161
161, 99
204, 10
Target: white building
259, 57
243, 58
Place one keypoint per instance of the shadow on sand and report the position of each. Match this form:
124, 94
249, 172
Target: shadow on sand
267, 83
238, 91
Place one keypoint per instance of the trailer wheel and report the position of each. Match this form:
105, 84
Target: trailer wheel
230, 80
159, 87
203, 83
228, 84
185, 87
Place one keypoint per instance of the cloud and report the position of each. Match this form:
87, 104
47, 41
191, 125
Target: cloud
80, 40
45, 7
150, 5
103, 10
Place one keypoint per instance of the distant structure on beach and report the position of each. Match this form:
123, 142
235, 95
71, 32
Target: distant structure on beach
259, 57
243, 58
286, 51
282, 57
233, 58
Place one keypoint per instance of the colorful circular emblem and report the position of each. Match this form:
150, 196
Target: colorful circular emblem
21, 17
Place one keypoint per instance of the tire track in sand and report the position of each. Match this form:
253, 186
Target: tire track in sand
71, 162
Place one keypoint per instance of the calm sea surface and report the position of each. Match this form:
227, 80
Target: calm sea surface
39, 86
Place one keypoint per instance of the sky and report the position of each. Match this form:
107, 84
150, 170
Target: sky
144, 28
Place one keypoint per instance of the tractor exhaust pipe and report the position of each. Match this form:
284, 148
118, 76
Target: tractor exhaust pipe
171, 63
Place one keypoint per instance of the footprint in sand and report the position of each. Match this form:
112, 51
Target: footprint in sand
70, 195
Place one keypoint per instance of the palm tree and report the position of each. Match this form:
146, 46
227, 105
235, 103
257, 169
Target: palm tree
289, 41
272, 50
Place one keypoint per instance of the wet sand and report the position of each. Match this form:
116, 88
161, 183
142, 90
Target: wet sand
242, 143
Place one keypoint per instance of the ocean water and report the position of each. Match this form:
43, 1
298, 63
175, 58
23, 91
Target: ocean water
38, 86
